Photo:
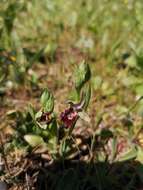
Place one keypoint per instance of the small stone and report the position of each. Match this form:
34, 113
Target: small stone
3, 185
83, 147
9, 84
46, 157
78, 141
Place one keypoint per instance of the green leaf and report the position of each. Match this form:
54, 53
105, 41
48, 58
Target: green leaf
84, 116
38, 114
52, 145
33, 140
41, 125
130, 154
131, 61
65, 147
106, 134
82, 75
140, 155
140, 60
114, 148
53, 128
47, 101
74, 96
31, 111
87, 96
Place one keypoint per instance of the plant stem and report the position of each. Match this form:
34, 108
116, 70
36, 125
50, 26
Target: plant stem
3, 154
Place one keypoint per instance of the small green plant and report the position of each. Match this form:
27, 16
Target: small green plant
45, 130
48, 131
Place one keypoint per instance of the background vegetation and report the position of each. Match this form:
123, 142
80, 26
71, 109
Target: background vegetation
41, 44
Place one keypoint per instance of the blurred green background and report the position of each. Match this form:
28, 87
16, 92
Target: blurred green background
41, 34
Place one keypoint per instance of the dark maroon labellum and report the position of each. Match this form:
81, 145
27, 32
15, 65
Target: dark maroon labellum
45, 117
69, 117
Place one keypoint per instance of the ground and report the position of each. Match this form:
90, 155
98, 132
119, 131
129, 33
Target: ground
42, 44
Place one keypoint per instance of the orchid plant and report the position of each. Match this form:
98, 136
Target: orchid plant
56, 129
